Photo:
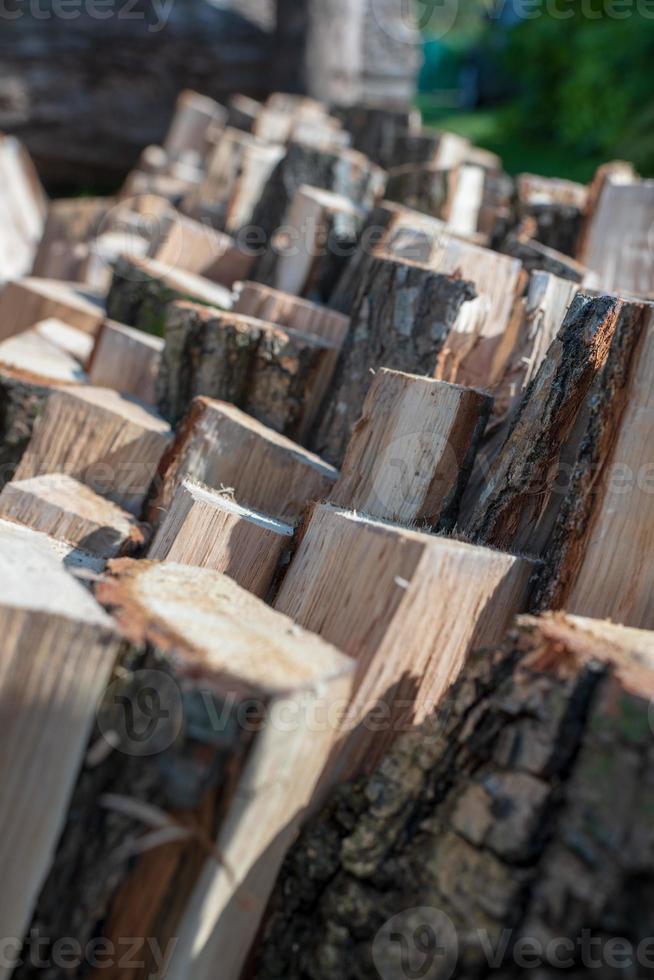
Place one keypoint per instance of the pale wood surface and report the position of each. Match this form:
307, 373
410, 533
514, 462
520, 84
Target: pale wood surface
412, 449
618, 248
224, 448
69, 511
255, 299
24, 302
58, 650
107, 441
209, 530
83, 564
407, 607
23, 206
127, 360
194, 116
72, 340
32, 353
196, 247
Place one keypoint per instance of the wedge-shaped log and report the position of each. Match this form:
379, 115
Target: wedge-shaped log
244, 701
111, 443
600, 562
33, 354
127, 360
209, 530
224, 448
72, 340
58, 651
189, 133
318, 236
278, 375
69, 511
407, 607
193, 246
264, 303
618, 246
401, 316
538, 257
142, 289
590, 357
540, 762
24, 302
411, 451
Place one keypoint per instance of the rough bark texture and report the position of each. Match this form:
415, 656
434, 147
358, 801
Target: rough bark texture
520, 814
536, 256
376, 130
21, 402
138, 60
523, 495
401, 316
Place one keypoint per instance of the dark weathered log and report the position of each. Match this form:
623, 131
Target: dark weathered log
552, 211
537, 257
509, 835
277, 375
523, 491
424, 188
401, 316
375, 129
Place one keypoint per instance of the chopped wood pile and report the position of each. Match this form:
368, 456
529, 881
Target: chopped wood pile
325, 557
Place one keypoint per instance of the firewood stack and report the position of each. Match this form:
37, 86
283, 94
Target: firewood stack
325, 556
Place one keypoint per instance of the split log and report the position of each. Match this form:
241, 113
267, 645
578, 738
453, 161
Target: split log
58, 651
22, 209
203, 803
209, 530
440, 150
481, 201
471, 851
552, 210
263, 303
68, 223
227, 450
22, 399
195, 247
617, 171
401, 316
111, 443
600, 560
407, 607
127, 360
142, 289
618, 247
310, 250
277, 375
346, 172
189, 134
83, 565
69, 511
242, 112
375, 130
29, 352
73, 341
425, 188
412, 450
524, 489
25, 302
538, 257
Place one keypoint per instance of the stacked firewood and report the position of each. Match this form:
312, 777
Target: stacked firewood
324, 478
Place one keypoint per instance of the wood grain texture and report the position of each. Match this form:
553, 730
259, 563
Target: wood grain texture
411, 451
69, 511
209, 530
224, 448
264, 303
407, 607
127, 360
24, 302
111, 443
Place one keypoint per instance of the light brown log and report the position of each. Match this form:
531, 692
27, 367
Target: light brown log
264, 303
276, 374
600, 562
23, 207
618, 246
227, 450
411, 451
195, 115
407, 607
316, 239
110, 442
142, 289
265, 680
58, 651
589, 359
127, 360
69, 222
24, 302
618, 171
497, 804
209, 530
195, 247
73, 341
31, 353
69, 511
402, 314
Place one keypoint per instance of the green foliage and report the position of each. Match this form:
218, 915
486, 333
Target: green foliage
585, 82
